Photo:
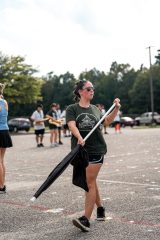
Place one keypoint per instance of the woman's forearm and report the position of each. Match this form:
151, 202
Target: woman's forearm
74, 130
109, 119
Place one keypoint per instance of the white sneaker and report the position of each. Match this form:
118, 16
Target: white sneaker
56, 144
52, 145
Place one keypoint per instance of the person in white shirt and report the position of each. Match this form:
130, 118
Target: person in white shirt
66, 131
102, 109
117, 122
60, 126
39, 127
104, 125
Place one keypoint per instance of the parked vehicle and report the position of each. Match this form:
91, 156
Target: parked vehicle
18, 124
146, 118
127, 121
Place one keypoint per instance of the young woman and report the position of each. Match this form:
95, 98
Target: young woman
53, 119
5, 140
81, 118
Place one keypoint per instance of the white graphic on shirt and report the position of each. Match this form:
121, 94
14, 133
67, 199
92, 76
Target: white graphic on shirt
86, 122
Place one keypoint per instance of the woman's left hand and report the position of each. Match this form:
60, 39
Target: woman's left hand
81, 141
117, 103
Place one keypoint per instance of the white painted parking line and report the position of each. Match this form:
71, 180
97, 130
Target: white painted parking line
56, 210
127, 154
129, 183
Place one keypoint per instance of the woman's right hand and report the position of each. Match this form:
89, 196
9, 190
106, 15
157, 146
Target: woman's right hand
81, 141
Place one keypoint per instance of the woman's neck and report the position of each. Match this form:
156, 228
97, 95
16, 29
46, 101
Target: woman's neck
84, 103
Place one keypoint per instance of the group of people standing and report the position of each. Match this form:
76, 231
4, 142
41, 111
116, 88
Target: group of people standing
56, 122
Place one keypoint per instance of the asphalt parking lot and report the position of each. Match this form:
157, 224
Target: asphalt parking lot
129, 183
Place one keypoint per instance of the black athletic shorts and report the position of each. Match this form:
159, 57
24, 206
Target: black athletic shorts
5, 139
65, 126
52, 127
39, 131
96, 159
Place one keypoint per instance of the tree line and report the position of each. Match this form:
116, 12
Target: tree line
24, 89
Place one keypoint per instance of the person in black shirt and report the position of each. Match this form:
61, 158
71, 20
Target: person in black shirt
53, 125
81, 118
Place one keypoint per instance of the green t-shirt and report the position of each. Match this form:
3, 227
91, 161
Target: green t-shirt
86, 119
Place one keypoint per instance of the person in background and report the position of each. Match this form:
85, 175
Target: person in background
117, 122
104, 124
101, 108
39, 127
81, 117
53, 124
5, 139
66, 131
60, 125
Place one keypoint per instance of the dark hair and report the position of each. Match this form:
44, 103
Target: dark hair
53, 105
39, 105
79, 85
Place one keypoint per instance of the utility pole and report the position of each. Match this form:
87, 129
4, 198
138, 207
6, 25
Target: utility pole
151, 84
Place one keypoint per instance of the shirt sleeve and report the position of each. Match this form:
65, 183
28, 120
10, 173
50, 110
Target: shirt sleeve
33, 116
49, 113
70, 114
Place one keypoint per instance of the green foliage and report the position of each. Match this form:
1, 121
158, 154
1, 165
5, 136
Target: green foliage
156, 86
140, 93
24, 90
158, 58
58, 89
21, 85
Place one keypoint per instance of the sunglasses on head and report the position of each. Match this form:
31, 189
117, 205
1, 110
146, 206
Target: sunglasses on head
89, 89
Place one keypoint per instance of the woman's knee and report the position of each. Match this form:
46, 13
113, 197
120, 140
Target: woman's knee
91, 184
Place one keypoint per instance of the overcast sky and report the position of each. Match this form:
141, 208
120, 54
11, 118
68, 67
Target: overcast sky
78, 35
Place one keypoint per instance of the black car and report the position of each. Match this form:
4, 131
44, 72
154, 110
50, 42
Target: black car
18, 124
